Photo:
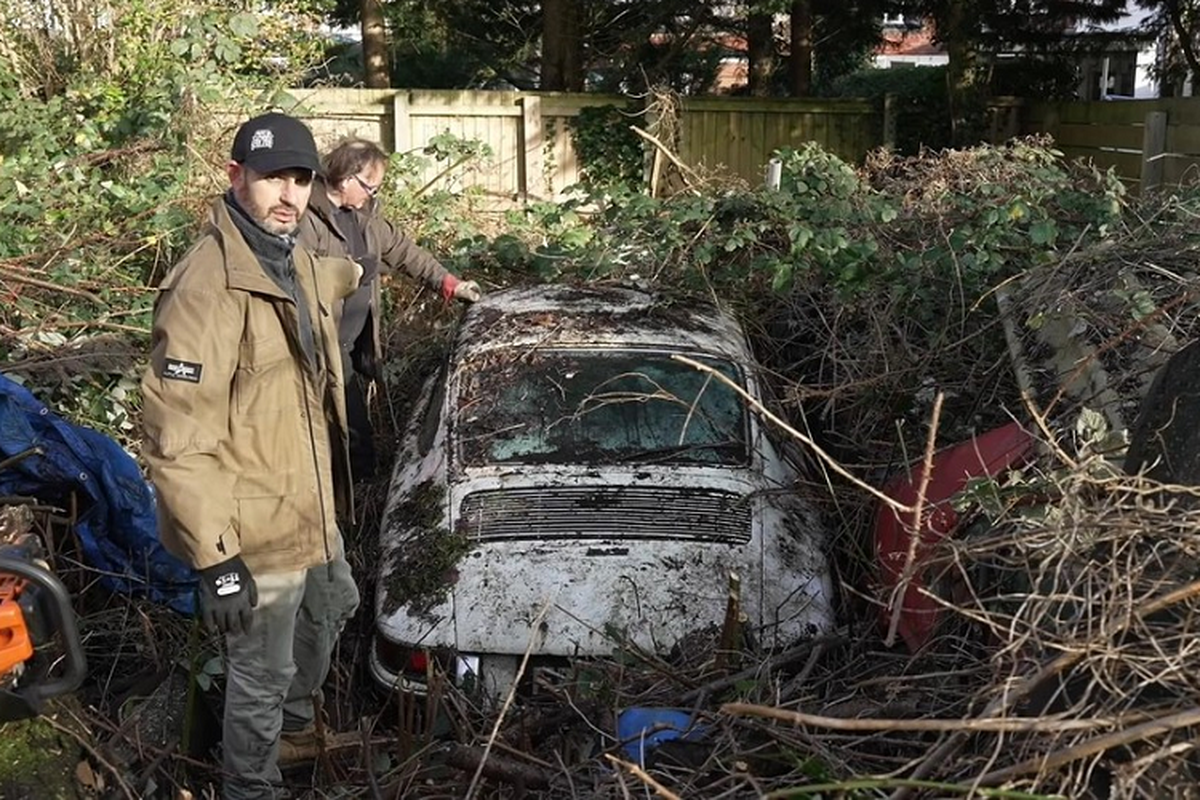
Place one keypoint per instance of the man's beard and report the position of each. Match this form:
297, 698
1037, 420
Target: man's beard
272, 225
265, 217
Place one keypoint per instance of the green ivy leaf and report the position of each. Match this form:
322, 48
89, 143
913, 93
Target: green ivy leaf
244, 26
575, 238
782, 277
1043, 231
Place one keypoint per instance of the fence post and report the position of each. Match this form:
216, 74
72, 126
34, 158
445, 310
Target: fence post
890, 109
1154, 145
401, 125
774, 173
1012, 120
651, 156
529, 164
1002, 122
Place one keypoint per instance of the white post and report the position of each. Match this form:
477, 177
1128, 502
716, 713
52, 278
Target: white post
774, 173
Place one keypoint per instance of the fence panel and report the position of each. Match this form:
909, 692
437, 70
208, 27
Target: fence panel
738, 135
494, 118
1148, 143
337, 113
533, 156
1107, 134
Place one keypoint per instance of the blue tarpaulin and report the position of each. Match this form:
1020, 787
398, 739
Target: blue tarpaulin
117, 526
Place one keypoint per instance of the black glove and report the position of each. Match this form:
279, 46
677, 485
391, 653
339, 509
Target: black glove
227, 595
363, 359
363, 354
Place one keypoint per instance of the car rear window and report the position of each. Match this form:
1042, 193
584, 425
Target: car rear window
599, 407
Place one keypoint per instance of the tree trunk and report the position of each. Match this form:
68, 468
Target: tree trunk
800, 66
374, 45
562, 62
964, 76
760, 47
1184, 36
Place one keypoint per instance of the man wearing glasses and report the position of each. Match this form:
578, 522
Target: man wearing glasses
341, 221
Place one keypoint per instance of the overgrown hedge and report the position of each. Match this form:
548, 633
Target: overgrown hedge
922, 107
110, 149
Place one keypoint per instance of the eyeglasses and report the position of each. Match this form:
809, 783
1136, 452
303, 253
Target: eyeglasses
366, 187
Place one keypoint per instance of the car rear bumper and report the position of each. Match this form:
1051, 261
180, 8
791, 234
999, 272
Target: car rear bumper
495, 673
390, 679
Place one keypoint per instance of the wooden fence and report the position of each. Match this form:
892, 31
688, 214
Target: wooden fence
1150, 143
529, 132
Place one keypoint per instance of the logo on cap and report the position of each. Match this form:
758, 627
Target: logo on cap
263, 139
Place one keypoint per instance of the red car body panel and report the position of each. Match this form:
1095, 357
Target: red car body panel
988, 454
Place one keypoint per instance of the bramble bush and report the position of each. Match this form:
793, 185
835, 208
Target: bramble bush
984, 215
106, 135
841, 274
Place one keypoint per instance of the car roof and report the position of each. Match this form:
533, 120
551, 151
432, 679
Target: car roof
564, 316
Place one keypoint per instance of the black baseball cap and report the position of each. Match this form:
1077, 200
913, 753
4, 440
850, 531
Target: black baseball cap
271, 142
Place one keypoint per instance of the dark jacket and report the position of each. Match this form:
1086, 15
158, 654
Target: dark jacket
380, 247
245, 436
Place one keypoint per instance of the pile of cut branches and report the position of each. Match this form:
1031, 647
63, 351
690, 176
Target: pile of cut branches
1000, 280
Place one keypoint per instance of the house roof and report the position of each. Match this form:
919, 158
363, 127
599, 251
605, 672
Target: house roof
917, 42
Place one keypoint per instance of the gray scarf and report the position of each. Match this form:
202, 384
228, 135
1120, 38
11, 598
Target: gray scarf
274, 253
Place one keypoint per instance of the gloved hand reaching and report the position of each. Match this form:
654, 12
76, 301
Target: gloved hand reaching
227, 595
468, 291
455, 289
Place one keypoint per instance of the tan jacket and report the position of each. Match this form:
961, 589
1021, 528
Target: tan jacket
246, 443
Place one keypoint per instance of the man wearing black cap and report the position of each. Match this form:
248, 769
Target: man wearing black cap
245, 438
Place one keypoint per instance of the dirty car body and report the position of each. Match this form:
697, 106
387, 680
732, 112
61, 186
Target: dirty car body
567, 484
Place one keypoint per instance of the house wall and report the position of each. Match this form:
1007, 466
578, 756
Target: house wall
893, 61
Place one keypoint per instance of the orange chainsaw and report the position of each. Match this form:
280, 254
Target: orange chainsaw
41, 655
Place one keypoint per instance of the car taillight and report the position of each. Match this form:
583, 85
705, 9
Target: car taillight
397, 658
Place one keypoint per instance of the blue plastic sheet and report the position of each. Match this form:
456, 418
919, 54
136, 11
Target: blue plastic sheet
117, 525
643, 728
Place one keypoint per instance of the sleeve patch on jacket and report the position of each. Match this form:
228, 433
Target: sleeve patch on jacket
178, 370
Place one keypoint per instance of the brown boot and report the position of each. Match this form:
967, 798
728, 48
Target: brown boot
306, 745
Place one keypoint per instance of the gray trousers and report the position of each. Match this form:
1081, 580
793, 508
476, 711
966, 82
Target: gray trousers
274, 668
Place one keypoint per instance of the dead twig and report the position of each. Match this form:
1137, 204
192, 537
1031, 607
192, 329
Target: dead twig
1005, 724
500, 768
947, 749
898, 507
731, 628
643, 776
914, 527
687, 171
365, 727
1091, 747
534, 627
770, 665
93, 752
9, 274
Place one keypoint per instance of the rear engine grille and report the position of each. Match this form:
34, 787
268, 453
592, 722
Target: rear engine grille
621, 512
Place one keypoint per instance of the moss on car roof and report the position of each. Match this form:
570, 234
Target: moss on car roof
566, 316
